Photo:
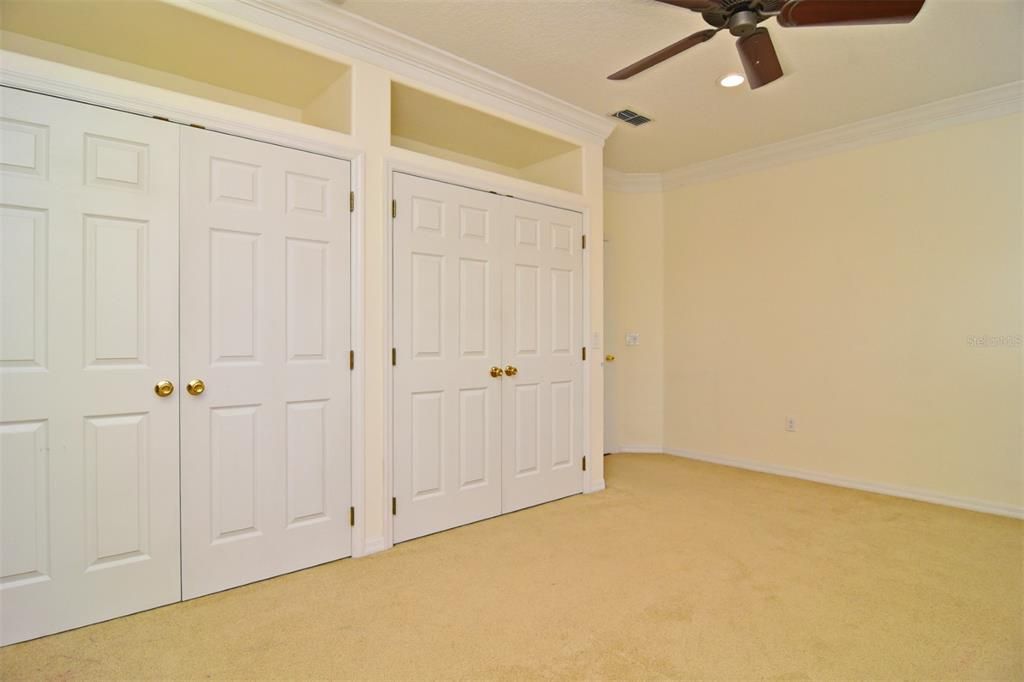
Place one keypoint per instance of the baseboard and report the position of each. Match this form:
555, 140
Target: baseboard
828, 479
639, 449
373, 546
594, 487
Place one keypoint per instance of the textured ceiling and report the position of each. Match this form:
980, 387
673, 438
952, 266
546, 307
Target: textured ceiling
834, 75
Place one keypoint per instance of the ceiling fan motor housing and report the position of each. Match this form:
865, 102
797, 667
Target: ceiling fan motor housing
744, 22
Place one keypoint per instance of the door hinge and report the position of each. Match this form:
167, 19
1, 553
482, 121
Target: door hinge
161, 118
351, 202
583, 352
584, 463
584, 241
197, 125
394, 357
352, 516
351, 359
394, 208
394, 506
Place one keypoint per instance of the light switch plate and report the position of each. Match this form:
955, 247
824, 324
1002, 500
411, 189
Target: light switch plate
595, 340
633, 339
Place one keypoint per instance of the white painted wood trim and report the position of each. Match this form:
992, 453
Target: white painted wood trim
829, 479
387, 539
637, 449
1002, 100
591, 484
375, 546
349, 35
357, 334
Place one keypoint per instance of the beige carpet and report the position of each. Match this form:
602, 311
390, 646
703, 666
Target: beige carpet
679, 570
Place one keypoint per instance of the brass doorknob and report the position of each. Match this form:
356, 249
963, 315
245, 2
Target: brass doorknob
609, 358
496, 372
163, 388
195, 387
511, 371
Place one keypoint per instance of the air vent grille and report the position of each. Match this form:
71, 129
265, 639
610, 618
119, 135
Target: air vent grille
631, 117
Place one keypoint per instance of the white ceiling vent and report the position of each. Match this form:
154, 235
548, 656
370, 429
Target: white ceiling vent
631, 117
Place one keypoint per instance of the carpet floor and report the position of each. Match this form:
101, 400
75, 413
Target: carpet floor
680, 569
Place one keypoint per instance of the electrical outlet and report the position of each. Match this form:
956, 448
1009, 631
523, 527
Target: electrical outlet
791, 423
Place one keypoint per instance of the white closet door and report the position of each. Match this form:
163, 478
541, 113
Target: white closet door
88, 326
447, 295
266, 474
542, 332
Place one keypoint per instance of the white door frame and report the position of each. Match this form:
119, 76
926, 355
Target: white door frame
47, 78
470, 180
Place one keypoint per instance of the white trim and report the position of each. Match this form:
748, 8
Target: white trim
616, 181
637, 450
347, 34
879, 488
589, 483
374, 546
387, 539
357, 338
1002, 100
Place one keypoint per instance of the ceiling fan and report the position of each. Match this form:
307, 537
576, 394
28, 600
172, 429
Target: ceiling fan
741, 18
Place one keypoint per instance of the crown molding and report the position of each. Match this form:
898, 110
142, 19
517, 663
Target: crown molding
327, 25
1002, 100
633, 183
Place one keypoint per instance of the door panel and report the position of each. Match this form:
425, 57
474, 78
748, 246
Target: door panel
89, 295
447, 294
542, 405
266, 456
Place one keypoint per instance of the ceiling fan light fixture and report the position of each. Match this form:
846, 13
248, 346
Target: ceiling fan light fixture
731, 80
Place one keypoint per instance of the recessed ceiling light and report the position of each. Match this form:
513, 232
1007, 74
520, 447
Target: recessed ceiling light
731, 80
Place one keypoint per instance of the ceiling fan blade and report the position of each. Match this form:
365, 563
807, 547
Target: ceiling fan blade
848, 12
759, 59
663, 54
696, 5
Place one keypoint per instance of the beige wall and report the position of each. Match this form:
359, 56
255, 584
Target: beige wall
844, 291
634, 299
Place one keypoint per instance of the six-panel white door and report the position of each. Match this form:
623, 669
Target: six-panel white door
483, 283
265, 452
447, 295
89, 300
542, 335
